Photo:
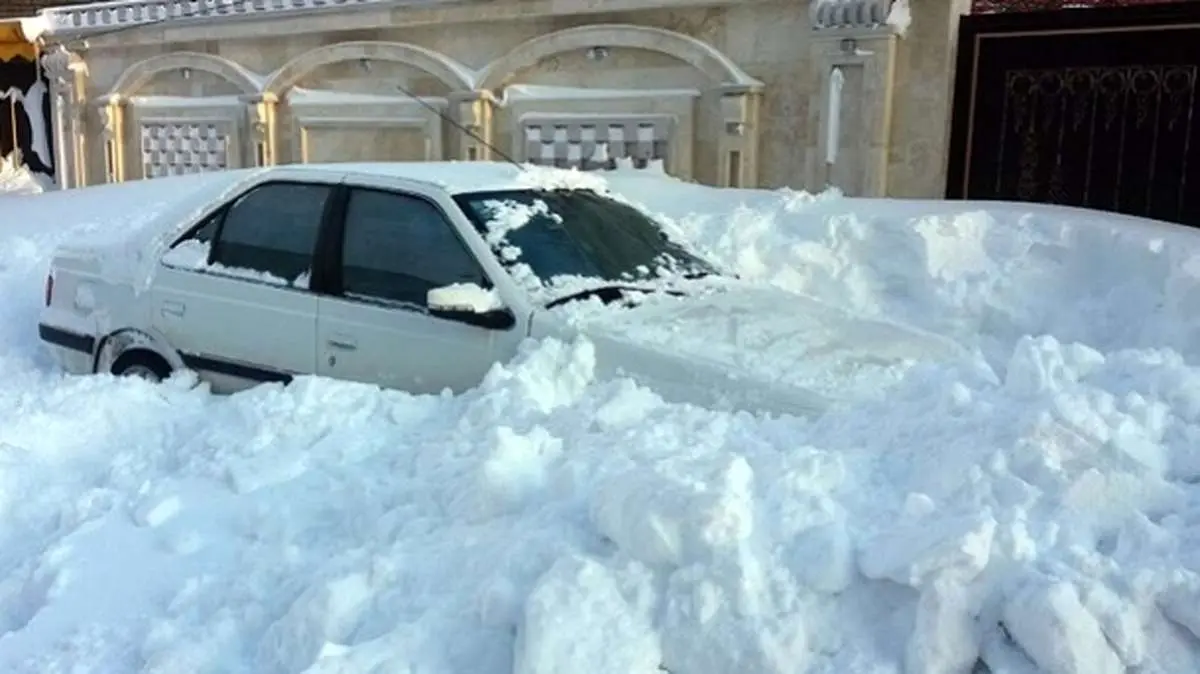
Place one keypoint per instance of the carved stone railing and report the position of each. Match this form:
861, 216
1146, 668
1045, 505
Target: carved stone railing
106, 16
848, 14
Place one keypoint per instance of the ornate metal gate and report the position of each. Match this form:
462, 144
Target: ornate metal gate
1084, 107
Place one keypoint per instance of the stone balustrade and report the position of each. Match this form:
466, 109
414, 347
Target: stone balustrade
852, 14
103, 16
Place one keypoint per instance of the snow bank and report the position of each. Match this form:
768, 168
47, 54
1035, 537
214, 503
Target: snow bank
985, 274
1038, 509
16, 179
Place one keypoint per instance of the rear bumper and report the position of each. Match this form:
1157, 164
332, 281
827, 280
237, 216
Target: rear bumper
73, 350
67, 339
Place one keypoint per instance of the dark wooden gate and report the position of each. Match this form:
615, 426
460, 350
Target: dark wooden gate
1089, 107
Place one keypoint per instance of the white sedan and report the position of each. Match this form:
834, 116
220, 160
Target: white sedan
422, 276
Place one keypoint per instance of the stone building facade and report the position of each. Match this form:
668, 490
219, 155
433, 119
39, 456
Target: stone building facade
763, 93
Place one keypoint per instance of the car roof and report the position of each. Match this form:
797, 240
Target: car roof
458, 177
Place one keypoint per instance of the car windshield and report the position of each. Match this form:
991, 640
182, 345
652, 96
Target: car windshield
577, 233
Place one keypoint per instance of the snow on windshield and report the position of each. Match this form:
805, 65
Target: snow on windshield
1038, 511
565, 240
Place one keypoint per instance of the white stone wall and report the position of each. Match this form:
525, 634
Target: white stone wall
736, 93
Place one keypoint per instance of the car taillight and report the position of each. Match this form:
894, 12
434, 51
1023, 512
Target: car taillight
49, 288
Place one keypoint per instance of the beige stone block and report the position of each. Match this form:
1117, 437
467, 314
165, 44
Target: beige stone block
365, 144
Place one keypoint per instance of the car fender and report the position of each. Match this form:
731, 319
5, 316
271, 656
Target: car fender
120, 341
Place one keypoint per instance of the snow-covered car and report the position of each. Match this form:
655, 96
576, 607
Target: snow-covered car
421, 276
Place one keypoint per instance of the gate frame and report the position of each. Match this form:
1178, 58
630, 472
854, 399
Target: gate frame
973, 28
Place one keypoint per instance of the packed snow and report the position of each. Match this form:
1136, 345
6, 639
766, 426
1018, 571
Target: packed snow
1036, 508
465, 297
15, 178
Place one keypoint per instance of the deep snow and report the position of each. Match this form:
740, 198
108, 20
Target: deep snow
1040, 507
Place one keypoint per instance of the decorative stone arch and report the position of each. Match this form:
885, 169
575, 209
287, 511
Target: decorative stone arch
737, 91
697, 53
140, 73
452, 73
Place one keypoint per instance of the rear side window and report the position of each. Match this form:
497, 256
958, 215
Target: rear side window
273, 229
398, 247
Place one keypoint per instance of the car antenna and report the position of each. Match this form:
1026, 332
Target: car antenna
447, 118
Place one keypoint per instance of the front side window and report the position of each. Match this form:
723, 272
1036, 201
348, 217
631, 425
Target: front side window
398, 247
272, 231
577, 233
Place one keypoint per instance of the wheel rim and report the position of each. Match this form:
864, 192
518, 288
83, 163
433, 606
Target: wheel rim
142, 372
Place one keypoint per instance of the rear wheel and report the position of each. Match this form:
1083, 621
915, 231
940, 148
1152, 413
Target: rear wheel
142, 364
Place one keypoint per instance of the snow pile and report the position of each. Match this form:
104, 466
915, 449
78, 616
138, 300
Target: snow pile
985, 274
17, 179
1038, 509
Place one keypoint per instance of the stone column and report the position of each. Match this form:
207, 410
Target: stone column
474, 110
67, 73
738, 145
261, 110
112, 136
856, 85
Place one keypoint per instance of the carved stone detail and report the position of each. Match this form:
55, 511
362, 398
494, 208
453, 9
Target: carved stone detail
262, 114
849, 14
738, 146
475, 111
112, 120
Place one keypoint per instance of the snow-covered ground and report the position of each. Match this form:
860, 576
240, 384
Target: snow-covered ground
1040, 507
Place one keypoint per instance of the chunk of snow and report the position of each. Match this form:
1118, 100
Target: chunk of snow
465, 297
18, 179
576, 619
900, 16
1048, 622
193, 254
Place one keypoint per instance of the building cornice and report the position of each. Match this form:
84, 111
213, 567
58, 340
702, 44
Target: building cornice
157, 21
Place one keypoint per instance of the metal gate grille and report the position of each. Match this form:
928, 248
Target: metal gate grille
1098, 108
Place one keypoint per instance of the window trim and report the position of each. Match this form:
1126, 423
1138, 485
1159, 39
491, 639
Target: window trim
334, 249
221, 212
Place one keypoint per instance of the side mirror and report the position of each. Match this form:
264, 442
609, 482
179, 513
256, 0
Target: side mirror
470, 304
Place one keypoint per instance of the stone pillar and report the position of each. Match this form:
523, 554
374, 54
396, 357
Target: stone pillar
856, 84
738, 145
474, 110
112, 137
67, 74
261, 110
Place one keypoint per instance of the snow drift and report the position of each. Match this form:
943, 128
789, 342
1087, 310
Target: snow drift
15, 179
1037, 510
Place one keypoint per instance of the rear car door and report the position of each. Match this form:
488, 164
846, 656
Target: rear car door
374, 326
233, 296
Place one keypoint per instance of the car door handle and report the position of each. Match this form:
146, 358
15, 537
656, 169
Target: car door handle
172, 308
342, 344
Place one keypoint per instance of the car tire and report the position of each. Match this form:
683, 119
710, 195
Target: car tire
144, 364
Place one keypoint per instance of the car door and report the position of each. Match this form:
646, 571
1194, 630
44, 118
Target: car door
232, 296
374, 326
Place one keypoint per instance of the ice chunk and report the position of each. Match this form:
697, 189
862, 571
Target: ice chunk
944, 639
576, 620
1049, 623
909, 553
667, 522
